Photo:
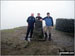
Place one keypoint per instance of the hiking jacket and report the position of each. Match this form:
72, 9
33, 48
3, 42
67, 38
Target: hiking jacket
31, 21
38, 17
48, 21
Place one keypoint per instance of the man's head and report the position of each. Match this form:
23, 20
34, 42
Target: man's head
32, 14
38, 14
48, 14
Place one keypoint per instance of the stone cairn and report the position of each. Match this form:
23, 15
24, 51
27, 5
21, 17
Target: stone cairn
38, 30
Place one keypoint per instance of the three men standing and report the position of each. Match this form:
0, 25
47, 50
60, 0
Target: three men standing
48, 21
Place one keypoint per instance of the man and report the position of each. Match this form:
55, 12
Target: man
30, 21
39, 17
49, 25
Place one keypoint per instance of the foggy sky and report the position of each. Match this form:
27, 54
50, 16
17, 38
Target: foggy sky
15, 13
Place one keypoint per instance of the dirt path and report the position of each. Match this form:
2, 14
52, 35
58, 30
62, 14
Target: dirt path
13, 43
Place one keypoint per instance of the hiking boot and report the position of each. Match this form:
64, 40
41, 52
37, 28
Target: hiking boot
49, 37
29, 39
26, 39
45, 36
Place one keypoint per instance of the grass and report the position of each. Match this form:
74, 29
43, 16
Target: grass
13, 29
15, 38
8, 30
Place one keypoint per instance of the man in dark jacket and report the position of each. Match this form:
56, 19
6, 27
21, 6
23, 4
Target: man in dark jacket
38, 16
49, 25
30, 21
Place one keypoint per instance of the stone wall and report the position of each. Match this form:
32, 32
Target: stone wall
66, 25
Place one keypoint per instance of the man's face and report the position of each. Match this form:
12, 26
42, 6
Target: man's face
32, 14
38, 14
48, 15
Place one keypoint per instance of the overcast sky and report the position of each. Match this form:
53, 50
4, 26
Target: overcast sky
15, 13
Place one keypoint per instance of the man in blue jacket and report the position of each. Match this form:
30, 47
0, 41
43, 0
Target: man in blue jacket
49, 25
30, 21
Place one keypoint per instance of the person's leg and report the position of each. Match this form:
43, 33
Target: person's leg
45, 33
28, 30
42, 33
45, 36
49, 33
31, 32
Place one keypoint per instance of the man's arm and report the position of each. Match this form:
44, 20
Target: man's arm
27, 19
44, 18
52, 21
41, 18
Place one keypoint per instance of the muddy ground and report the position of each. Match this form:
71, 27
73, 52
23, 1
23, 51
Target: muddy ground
13, 43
